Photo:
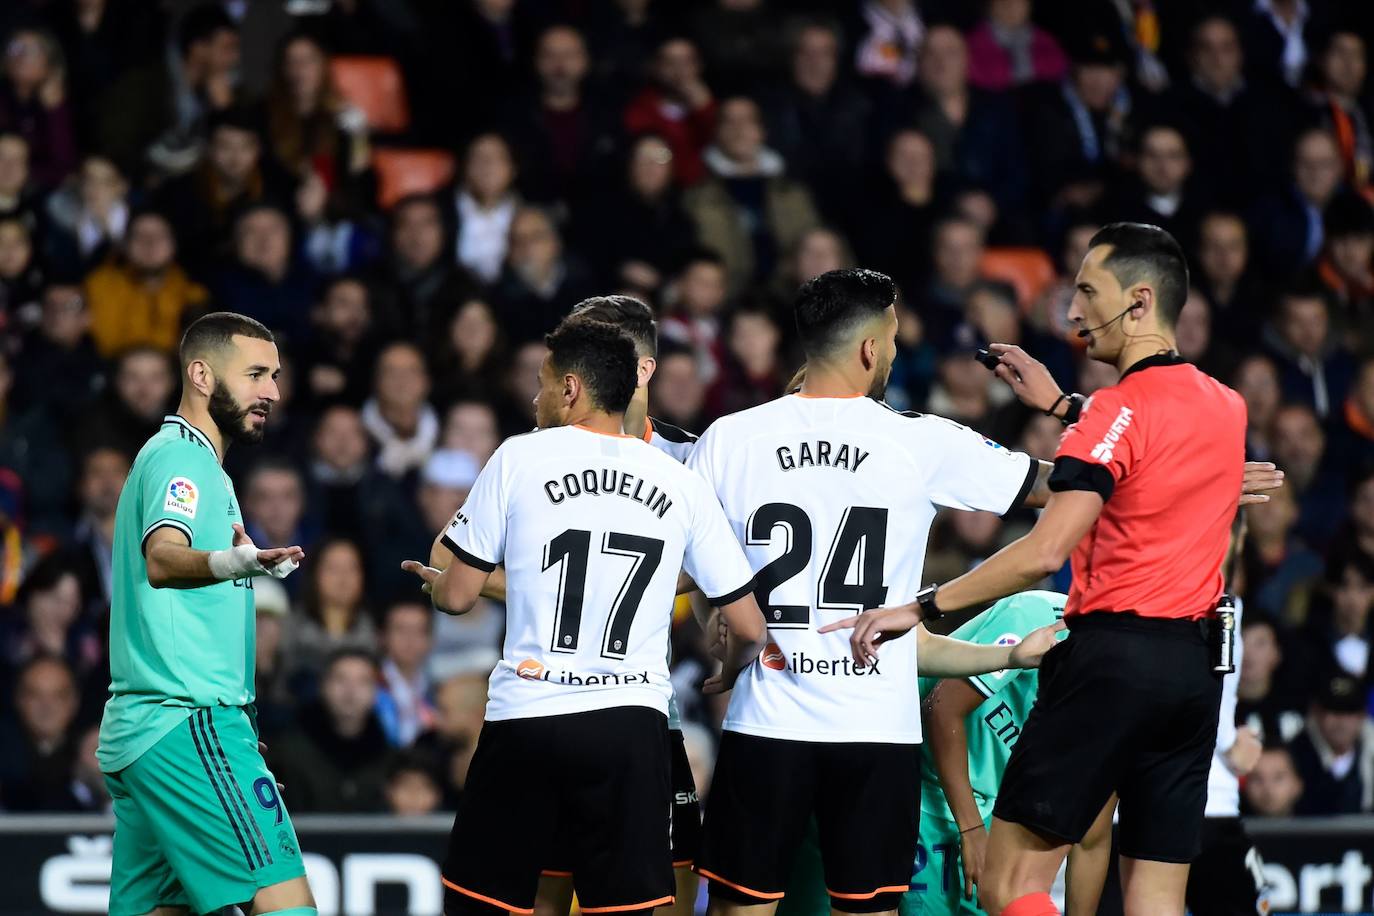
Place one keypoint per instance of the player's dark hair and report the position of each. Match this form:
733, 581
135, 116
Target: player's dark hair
632, 316
832, 306
601, 356
1143, 252
211, 333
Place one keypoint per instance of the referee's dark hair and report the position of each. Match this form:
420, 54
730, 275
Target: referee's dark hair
1143, 252
601, 356
632, 316
210, 334
838, 302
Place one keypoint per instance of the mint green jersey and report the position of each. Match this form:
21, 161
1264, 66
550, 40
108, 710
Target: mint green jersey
996, 724
173, 650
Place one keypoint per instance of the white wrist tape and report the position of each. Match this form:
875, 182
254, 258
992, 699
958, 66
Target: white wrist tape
241, 562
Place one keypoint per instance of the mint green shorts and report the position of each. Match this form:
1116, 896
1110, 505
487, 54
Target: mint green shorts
198, 821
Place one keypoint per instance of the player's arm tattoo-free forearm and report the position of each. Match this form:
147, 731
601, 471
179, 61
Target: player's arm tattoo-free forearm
1039, 493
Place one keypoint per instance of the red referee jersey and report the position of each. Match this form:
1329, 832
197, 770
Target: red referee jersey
1165, 447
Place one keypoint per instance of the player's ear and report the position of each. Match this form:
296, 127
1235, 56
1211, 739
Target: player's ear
648, 365
201, 376
869, 352
572, 389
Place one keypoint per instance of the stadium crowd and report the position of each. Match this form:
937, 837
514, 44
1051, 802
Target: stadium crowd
161, 160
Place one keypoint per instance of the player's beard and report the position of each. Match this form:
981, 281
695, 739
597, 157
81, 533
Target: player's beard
231, 419
880, 377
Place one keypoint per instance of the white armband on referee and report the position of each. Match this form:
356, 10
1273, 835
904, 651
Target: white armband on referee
241, 562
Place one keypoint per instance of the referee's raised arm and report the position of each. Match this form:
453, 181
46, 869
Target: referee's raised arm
1145, 484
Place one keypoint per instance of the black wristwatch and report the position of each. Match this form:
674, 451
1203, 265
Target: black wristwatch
925, 600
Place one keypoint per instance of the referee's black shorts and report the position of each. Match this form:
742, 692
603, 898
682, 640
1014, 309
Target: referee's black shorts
1128, 705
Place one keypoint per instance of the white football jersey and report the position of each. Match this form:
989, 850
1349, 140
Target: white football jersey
833, 499
592, 530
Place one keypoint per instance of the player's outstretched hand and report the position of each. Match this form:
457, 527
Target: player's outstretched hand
286, 557
427, 574
1029, 651
1244, 753
1259, 476
719, 683
973, 848
1026, 376
873, 627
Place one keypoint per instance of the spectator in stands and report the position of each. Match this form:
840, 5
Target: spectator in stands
21, 276
818, 122
521, 385
895, 234
205, 203
1007, 50
752, 373
1257, 380
566, 137
1232, 129
1336, 101
333, 607
1339, 628
485, 203
17, 197
38, 755
1288, 226
471, 427
1279, 34
33, 103
1163, 196
542, 281
1346, 269
679, 397
740, 41
203, 82
420, 284
818, 251
889, 47
335, 758
87, 217
1263, 702
342, 348
266, 280
340, 469
640, 234
749, 213
412, 789
678, 106
1278, 563
445, 481
468, 359
696, 310
58, 366
461, 702
991, 314
1356, 536
957, 251
1314, 369
971, 398
50, 619
1222, 272
1050, 313
1310, 471
314, 134
1273, 787
275, 691
131, 411
103, 472
1354, 438
398, 417
274, 509
405, 703
142, 296
1078, 130
1335, 753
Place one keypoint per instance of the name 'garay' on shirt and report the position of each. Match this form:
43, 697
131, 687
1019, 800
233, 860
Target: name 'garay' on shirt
821, 454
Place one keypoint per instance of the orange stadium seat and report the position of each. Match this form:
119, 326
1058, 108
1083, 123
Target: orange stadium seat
1029, 270
375, 86
409, 171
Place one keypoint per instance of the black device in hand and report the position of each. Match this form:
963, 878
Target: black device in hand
987, 358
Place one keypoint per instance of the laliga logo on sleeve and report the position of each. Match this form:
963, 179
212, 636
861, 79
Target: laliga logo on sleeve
182, 497
1102, 451
773, 658
1004, 641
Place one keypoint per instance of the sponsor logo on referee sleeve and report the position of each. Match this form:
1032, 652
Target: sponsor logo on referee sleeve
182, 497
1103, 450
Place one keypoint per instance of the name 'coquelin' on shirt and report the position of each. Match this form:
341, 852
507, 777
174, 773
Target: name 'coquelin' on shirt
608, 482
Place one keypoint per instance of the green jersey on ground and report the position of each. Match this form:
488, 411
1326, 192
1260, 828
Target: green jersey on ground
173, 650
996, 724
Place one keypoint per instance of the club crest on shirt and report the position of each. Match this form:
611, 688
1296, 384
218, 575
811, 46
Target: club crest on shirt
182, 497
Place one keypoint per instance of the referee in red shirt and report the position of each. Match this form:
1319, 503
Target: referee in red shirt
1145, 487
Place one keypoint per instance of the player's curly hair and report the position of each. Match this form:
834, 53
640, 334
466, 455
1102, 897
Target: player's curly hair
601, 356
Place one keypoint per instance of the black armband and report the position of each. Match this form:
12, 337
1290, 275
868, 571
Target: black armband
1077, 474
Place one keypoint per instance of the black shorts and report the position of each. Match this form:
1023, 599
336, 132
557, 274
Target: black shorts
599, 777
1225, 879
686, 833
1127, 705
866, 799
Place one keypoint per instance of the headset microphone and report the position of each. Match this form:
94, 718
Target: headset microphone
1088, 332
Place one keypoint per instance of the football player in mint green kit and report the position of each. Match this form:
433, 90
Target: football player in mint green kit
199, 825
970, 725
